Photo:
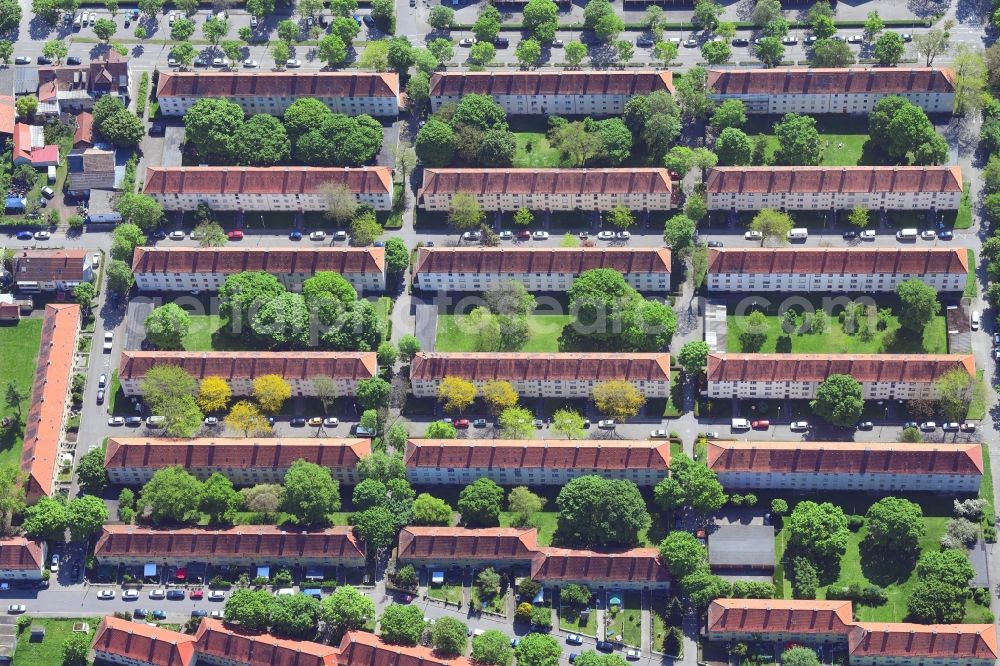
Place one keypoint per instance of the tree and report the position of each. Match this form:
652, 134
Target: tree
487, 25
624, 51
970, 78
441, 17
271, 392
706, 15
731, 113
373, 393
799, 656
141, 210
823, 27
859, 217
120, 278
701, 488
465, 212
769, 50
619, 400
58, 49
765, 11
678, 233
524, 504
956, 389
125, 238
105, 29
90, 472
211, 125
480, 503
936, 602
482, 53
440, 430
215, 28
375, 56
376, 526
167, 326
608, 27
402, 624
665, 52
84, 294
218, 498
10, 15
6, 48
181, 30
817, 531
693, 356
895, 527
492, 648
772, 225
150, 7
311, 493
456, 394
435, 144
540, 19
516, 423
250, 608
169, 392
933, 43
214, 394
442, 49
171, 496
26, 108
264, 498
75, 649
429, 510
294, 615
568, 423
261, 141
346, 609
798, 141
716, 53
832, 53
538, 650
47, 519
14, 397
245, 417
381, 466
184, 53
529, 51
873, 25
918, 304
449, 636
594, 511
683, 554
409, 345
498, 395
693, 95
734, 148
839, 400
889, 49
668, 494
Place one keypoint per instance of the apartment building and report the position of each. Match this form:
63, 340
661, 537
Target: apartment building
239, 369
541, 269
542, 375
799, 270
580, 93
351, 93
852, 466
905, 644
544, 462
500, 547
50, 396
75, 88
818, 90
635, 569
834, 188
22, 558
276, 189
206, 268
243, 546
548, 189
119, 641
797, 376
132, 461
37, 271
779, 620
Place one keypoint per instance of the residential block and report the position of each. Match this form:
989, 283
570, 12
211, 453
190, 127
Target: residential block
75, 88
37, 271
22, 558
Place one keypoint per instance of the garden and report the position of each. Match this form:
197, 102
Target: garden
841, 142
576, 612
460, 333
50, 649
18, 353
624, 617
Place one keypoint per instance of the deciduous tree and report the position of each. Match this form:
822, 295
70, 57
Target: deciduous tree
480, 503
839, 400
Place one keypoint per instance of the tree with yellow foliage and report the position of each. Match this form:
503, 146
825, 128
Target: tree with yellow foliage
498, 395
271, 392
456, 394
214, 394
618, 400
246, 418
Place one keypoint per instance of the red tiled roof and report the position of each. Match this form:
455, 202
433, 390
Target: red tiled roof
839, 261
551, 83
248, 365
278, 84
723, 367
635, 565
265, 180
189, 543
49, 265
541, 260
144, 643
537, 453
483, 366
49, 395
951, 642
809, 180
276, 261
22, 142
8, 114
359, 648
845, 458
867, 80
19, 553
84, 130
779, 615
230, 644
45, 156
546, 181
233, 453
497, 543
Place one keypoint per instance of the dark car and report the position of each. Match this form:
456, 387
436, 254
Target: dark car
741, 41
159, 234
159, 615
197, 612
850, 235
295, 235
605, 646
910, 424
73, 60
175, 594
644, 42
24, 235
133, 421
140, 613
298, 422
865, 425
479, 423
156, 129
200, 62
945, 235
501, 42
44, 60
714, 243
996, 339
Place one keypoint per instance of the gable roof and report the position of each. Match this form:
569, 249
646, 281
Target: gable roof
20, 553
541, 260
512, 366
84, 135
907, 368
231, 644
816, 81
839, 261
537, 453
496, 543
588, 82
845, 457
8, 114
265, 180
247, 365
144, 643
278, 84
828, 180
359, 648
779, 615
633, 565
277, 261
50, 265
937, 641
546, 181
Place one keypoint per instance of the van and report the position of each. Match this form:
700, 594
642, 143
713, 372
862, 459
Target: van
798, 234
156, 421
907, 234
741, 424
51, 173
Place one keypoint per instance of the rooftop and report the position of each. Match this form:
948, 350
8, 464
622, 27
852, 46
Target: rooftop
484, 366
635, 564
144, 643
839, 261
546, 181
20, 553
276, 261
906, 368
248, 365
825, 180
779, 615
265, 180
880, 80
50, 265
541, 260
741, 546
946, 641
278, 84
497, 543
537, 453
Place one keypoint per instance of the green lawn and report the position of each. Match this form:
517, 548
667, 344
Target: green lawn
842, 143
569, 620
18, 352
986, 487
977, 406
835, 341
203, 327
495, 604
49, 650
628, 621
963, 220
446, 592
971, 286
543, 334
534, 151
545, 521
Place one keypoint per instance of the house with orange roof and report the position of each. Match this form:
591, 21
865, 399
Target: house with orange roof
562, 93
30, 148
633, 568
207, 268
133, 461
239, 369
851, 90
534, 461
542, 374
42, 270
798, 376
8, 115
859, 466
817, 270
50, 396
834, 188
83, 137
779, 620
904, 644
351, 93
119, 641
281, 188
22, 558
460, 546
549, 189
75, 88
538, 269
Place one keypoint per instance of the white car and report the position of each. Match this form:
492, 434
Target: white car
712, 435
293, 62
16, 608
171, 18
660, 433
606, 235
506, 235
211, 420
574, 639
855, 39
106, 595
216, 614
950, 426
331, 422
558, 43
216, 595
172, 62
633, 654
867, 234
219, 62
177, 235
102, 381
249, 62
42, 235
623, 235
753, 235
317, 235
928, 426
116, 421
130, 595
95, 260
606, 424
977, 317
158, 593
540, 235
468, 41
799, 425
928, 234
471, 236
253, 21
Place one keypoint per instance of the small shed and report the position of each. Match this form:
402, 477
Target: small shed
741, 547
37, 633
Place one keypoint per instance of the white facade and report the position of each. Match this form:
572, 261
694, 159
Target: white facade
781, 389
277, 105
240, 476
798, 282
249, 201
870, 482
362, 282
516, 476
755, 201
544, 201
850, 103
559, 388
244, 386
462, 281
549, 105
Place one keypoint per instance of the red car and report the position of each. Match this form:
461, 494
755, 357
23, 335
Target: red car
236, 234
462, 423
760, 425
196, 593
524, 234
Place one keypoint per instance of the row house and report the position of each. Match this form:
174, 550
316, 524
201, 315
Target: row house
239, 369
75, 88
240, 546
548, 189
207, 268
542, 375
37, 271
541, 269
50, 399
22, 558
276, 189
779, 620
800, 270
635, 568
132, 461
579, 93
351, 93
544, 462
798, 376
839, 188
820, 90
852, 466
905, 644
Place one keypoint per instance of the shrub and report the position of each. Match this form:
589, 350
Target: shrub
855, 522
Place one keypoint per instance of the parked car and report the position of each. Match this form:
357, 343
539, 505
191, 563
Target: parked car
157, 593
220, 62
540, 235
501, 42
976, 319
944, 234
788, 40
644, 42
761, 424
293, 62
73, 60
950, 426
928, 426
317, 235
690, 43
506, 235
22, 60
216, 614
44, 60
24, 235
659, 433
850, 235
753, 235
968, 427
467, 42
461, 424
211, 420
910, 424
235, 234
868, 234
471, 236
331, 422
605, 235
340, 235
106, 595
799, 425
42, 235
133, 421
605, 646
159, 615
855, 39
523, 234
177, 235
140, 613
606, 424
175, 594
907, 37
316, 421
16, 608
623, 235
574, 639
480, 423
216, 595
197, 612
295, 235
865, 425
632, 654
116, 421
298, 422
928, 234
714, 243
130, 595
809, 40
712, 435
100, 396
741, 41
